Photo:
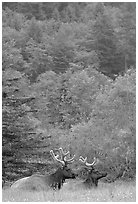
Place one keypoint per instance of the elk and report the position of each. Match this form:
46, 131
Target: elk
93, 175
54, 181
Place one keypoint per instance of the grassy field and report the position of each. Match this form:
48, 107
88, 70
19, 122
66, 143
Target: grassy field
73, 191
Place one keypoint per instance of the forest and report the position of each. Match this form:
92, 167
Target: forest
68, 80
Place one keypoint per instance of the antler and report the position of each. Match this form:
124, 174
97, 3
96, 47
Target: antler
64, 156
55, 157
64, 161
96, 161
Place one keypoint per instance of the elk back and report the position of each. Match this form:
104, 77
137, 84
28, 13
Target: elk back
33, 183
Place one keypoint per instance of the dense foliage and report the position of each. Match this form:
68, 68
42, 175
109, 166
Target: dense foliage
68, 80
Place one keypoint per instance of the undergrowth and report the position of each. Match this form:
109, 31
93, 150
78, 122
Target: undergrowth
74, 191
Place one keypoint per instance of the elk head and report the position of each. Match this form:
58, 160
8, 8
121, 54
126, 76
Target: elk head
64, 172
93, 175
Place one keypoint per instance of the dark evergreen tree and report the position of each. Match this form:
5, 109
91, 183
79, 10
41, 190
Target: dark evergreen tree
105, 43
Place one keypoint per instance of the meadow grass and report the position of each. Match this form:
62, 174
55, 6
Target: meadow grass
74, 192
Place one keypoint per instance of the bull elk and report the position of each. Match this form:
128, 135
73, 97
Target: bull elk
38, 182
93, 175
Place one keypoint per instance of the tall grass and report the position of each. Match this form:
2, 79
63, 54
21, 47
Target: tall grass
74, 191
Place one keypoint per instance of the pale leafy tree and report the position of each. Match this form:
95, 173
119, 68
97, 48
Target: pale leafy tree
111, 129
